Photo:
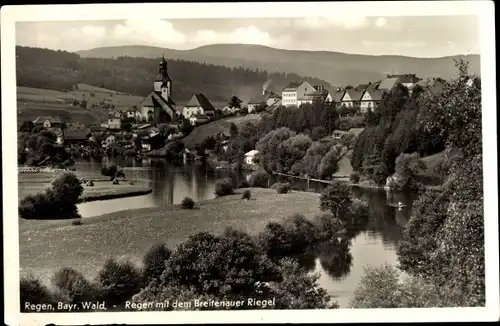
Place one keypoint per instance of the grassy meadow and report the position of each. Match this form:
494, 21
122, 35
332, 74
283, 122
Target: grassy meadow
46, 246
33, 183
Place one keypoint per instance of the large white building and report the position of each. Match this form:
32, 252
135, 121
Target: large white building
293, 91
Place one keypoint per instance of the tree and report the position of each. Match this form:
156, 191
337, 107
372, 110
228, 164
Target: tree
268, 147
318, 132
336, 198
26, 126
155, 262
408, 166
235, 102
328, 165
291, 152
233, 130
313, 158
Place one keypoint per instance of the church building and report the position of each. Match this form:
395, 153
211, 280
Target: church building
158, 106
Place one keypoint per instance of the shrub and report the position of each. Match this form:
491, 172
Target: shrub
327, 227
119, 281
33, 291
243, 184
73, 286
187, 203
282, 188
37, 206
154, 262
301, 232
67, 188
259, 178
381, 288
109, 171
354, 177
77, 222
224, 187
246, 195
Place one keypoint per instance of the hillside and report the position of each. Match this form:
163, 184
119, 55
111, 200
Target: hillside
61, 70
335, 67
213, 128
34, 102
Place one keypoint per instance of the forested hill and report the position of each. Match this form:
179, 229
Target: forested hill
335, 67
60, 70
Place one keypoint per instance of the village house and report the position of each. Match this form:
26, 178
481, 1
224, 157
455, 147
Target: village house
266, 98
114, 123
351, 98
250, 157
158, 106
338, 134
53, 124
318, 94
388, 84
337, 96
198, 105
370, 100
407, 80
198, 119
293, 91
110, 140
77, 136
48, 122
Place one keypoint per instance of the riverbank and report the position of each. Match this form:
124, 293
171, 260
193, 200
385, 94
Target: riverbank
33, 183
46, 246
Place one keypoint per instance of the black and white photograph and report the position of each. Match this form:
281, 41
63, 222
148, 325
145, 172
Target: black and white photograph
249, 162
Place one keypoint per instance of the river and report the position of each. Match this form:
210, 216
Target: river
340, 272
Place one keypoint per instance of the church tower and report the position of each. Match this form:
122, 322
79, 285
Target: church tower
163, 83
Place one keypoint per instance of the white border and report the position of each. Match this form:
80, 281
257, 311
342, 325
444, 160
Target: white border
12, 14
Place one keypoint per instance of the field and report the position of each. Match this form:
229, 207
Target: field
34, 102
46, 246
213, 128
32, 183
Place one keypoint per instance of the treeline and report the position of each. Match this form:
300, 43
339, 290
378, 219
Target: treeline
442, 247
394, 128
60, 70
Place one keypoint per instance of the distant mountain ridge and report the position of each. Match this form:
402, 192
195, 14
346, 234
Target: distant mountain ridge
335, 67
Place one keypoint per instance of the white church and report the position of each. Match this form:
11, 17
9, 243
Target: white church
158, 106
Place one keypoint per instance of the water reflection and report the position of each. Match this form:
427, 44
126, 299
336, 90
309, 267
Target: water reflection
335, 258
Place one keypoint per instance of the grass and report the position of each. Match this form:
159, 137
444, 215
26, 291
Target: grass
32, 183
34, 102
46, 246
213, 128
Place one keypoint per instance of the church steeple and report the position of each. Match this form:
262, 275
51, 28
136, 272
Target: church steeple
163, 81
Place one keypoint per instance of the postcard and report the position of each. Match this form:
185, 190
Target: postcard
249, 162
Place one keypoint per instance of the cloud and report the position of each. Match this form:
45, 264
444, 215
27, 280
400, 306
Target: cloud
151, 32
249, 35
381, 22
334, 20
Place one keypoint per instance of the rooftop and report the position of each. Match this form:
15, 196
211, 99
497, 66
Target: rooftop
42, 119
200, 100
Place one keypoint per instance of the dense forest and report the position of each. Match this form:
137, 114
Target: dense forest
61, 70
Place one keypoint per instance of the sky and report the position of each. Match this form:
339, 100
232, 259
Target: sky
422, 36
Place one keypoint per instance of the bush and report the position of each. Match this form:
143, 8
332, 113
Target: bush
243, 184
33, 291
187, 203
381, 288
246, 195
119, 281
327, 227
109, 171
77, 222
73, 286
354, 177
259, 178
282, 188
154, 262
224, 187
58, 202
